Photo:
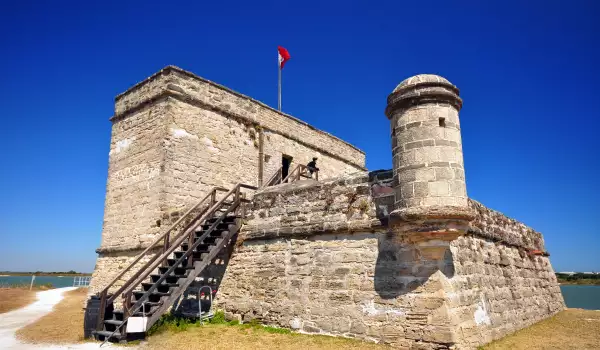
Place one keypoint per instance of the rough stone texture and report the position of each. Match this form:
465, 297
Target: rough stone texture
109, 265
175, 136
495, 226
319, 257
208, 95
135, 177
498, 289
397, 256
426, 143
309, 207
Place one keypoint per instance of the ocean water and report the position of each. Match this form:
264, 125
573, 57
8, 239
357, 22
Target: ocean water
57, 282
582, 297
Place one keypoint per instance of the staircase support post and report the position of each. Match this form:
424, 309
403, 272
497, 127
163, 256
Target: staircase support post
100, 321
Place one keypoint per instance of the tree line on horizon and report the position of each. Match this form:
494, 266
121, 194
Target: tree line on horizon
578, 278
29, 273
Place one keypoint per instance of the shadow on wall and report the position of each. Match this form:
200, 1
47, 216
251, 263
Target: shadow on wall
401, 267
212, 276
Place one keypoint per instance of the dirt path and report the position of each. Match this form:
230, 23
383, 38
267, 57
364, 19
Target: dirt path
10, 322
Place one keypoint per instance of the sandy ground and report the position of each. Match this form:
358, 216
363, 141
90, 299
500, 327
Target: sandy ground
10, 322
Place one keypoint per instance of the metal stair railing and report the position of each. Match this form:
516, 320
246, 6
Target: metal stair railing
275, 179
165, 238
235, 204
300, 171
189, 234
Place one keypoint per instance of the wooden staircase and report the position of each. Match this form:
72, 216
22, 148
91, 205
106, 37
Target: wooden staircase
171, 263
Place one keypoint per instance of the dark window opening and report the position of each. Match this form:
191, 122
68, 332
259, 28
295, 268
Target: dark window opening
443, 122
286, 161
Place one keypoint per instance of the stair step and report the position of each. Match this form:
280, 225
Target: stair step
118, 315
227, 219
172, 262
114, 322
178, 270
221, 225
203, 245
147, 285
200, 251
148, 305
106, 334
215, 233
170, 278
199, 256
141, 293
211, 240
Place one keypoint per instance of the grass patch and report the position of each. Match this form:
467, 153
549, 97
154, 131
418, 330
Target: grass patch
251, 336
63, 325
25, 286
176, 324
569, 329
15, 298
223, 334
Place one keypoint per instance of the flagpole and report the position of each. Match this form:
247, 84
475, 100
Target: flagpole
279, 86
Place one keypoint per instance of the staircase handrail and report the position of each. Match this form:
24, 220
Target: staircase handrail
130, 310
179, 240
162, 237
300, 170
275, 179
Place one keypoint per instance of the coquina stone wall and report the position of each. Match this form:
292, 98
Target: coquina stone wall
174, 137
319, 258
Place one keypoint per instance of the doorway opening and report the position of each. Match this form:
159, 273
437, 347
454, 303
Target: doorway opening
286, 161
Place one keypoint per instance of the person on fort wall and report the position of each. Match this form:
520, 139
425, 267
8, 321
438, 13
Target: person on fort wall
312, 166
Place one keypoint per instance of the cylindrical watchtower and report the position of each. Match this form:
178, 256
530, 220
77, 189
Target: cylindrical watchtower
426, 143
429, 178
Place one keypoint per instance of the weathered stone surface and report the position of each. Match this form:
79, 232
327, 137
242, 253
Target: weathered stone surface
423, 113
175, 136
498, 289
429, 294
339, 256
496, 226
308, 207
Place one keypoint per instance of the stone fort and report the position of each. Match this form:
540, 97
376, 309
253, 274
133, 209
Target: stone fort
209, 207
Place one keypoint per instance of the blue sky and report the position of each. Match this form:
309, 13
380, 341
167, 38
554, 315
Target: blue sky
527, 70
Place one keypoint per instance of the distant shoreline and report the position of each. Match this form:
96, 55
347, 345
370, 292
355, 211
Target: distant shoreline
578, 278
43, 274
579, 283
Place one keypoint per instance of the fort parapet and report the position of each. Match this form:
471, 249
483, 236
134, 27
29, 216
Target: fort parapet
321, 258
399, 256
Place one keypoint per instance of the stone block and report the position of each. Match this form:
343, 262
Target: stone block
444, 174
425, 174
438, 188
421, 189
407, 190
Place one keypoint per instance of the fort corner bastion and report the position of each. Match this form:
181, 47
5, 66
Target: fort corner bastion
399, 256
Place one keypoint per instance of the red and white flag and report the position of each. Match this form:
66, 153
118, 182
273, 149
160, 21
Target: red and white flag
284, 56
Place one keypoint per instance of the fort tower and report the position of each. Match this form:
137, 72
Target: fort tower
429, 178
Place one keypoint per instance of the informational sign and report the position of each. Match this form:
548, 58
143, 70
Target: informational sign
136, 324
